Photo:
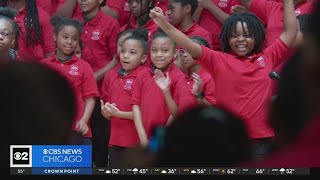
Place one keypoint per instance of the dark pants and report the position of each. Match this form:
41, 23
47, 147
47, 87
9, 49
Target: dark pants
115, 155
260, 147
100, 137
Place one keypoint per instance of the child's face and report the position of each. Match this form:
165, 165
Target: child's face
186, 58
7, 38
162, 52
67, 40
135, 7
240, 42
131, 55
120, 41
175, 12
87, 6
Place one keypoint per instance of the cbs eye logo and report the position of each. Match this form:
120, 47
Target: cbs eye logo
20, 156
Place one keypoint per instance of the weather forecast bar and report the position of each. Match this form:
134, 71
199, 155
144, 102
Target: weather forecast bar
159, 171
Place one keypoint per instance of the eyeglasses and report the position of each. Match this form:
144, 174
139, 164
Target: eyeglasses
6, 33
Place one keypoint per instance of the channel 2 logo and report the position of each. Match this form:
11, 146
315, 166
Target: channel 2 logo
20, 155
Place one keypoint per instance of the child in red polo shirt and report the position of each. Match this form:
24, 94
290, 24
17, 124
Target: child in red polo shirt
199, 81
77, 71
116, 93
35, 42
156, 98
9, 33
211, 14
99, 37
241, 71
180, 15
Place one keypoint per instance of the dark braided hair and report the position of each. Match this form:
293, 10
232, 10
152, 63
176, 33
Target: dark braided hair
144, 18
255, 29
32, 24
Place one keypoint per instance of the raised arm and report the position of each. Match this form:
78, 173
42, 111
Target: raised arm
177, 36
197, 14
67, 9
246, 3
214, 10
290, 26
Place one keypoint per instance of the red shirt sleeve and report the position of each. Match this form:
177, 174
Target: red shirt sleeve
137, 90
89, 85
116, 5
209, 88
105, 94
47, 32
277, 52
207, 59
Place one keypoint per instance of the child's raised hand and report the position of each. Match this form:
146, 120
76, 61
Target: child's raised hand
197, 83
157, 15
162, 81
204, 3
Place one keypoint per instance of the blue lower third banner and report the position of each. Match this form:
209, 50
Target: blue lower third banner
70, 156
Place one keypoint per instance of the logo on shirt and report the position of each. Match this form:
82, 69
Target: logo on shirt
223, 3
74, 70
298, 12
128, 84
261, 62
95, 35
126, 6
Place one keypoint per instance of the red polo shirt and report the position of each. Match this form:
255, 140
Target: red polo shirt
208, 87
271, 14
77, 13
196, 30
243, 85
80, 76
99, 37
149, 97
38, 51
211, 24
45, 5
117, 88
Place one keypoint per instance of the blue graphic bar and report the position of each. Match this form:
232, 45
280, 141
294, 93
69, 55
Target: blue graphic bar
73, 156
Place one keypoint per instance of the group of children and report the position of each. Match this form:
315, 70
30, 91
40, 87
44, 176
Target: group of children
141, 63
